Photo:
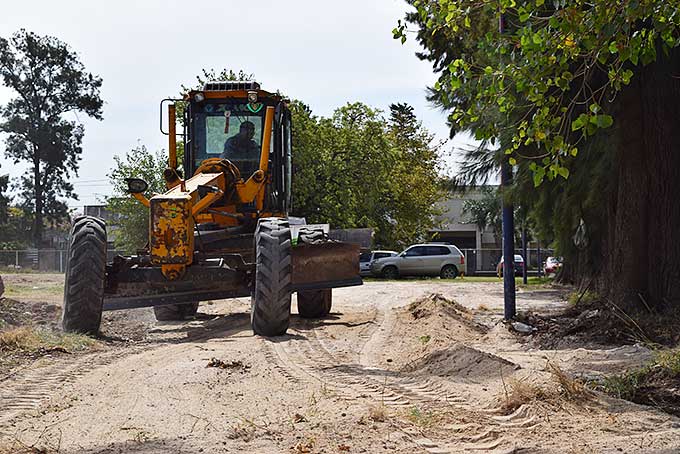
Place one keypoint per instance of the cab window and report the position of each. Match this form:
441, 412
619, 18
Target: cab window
230, 131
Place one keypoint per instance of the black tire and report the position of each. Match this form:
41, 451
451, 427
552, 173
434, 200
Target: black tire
315, 303
390, 272
449, 272
175, 311
85, 276
270, 304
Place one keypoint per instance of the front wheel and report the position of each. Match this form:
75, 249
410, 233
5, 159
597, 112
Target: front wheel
390, 272
85, 276
449, 272
270, 303
314, 303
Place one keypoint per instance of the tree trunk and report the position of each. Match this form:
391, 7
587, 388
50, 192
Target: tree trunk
38, 215
641, 257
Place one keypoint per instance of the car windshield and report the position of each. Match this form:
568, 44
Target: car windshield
230, 131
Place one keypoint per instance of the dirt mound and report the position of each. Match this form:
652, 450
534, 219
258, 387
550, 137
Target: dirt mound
463, 362
15, 313
436, 305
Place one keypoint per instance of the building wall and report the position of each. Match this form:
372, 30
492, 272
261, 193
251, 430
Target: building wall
455, 229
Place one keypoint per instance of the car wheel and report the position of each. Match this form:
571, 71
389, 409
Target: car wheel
390, 272
449, 272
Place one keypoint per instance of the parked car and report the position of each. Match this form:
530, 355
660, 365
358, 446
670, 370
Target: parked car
367, 258
552, 265
443, 260
519, 266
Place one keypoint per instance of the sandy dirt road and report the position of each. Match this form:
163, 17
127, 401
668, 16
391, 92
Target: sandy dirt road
390, 370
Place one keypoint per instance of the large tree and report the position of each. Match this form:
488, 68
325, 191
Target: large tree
49, 81
354, 169
558, 82
133, 217
358, 169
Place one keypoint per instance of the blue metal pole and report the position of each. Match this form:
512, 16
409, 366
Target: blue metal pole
526, 258
508, 227
508, 244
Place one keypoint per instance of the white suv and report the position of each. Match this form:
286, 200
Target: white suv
366, 259
432, 259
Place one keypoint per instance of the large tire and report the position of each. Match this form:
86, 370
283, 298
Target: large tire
270, 304
175, 311
315, 303
85, 276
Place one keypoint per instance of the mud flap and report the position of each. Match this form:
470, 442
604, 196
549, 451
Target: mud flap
325, 265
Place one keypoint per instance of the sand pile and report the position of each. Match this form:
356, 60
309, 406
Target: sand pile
435, 306
461, 361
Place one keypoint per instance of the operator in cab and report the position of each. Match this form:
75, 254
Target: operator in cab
242, 147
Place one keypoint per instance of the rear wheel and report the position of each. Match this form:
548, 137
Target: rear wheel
314, 303
390, 272
175, 311
270, 304
85, 276
449, 272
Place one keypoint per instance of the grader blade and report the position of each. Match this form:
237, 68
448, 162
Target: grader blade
325, 265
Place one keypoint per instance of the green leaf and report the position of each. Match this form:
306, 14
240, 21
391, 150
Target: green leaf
512, 161
564, 172
523, 14
539, 175
603, 121
580, 122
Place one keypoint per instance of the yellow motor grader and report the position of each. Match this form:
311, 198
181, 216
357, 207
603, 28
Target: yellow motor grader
221, 232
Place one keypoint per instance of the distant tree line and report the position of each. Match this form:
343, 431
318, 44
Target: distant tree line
357, 168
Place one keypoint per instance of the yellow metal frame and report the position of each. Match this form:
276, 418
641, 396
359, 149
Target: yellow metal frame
172, 215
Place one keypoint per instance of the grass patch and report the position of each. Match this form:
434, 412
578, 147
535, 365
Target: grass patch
421, 418
424, 339
26, 290
29, 339
664, 366
589, 297
531, 281
534, 281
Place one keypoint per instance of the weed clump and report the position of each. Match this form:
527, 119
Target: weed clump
652, 384
562, 388
29, 339
377, 413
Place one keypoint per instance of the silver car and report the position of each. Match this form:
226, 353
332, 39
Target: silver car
366, 259
443, 260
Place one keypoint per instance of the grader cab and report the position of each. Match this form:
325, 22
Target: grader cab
222, 233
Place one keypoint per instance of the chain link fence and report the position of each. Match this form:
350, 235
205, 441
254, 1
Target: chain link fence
484, 261
479, 261
46, 260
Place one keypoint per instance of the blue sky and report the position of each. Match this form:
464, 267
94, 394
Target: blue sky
324, 53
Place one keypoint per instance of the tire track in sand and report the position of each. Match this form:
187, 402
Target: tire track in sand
29, 388
313, 359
